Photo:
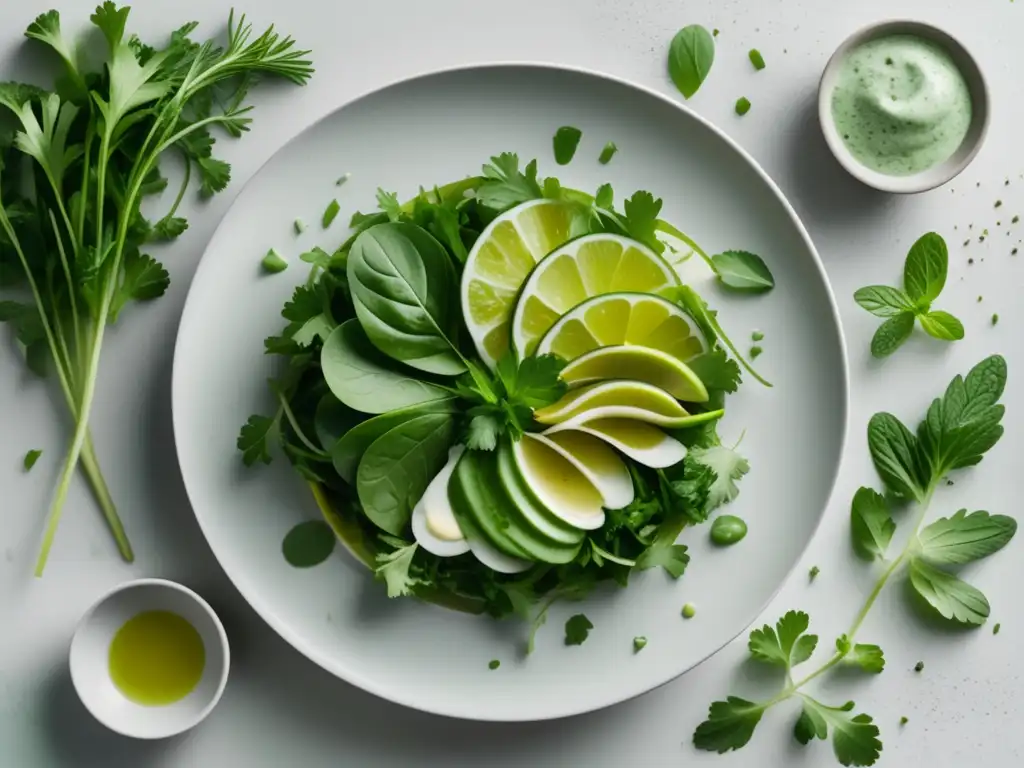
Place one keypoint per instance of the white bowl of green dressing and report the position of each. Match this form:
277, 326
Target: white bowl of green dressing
903, 105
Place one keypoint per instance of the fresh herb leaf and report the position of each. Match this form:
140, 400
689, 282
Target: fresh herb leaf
897, 456
505, 186
30, 459
924, 274
743, 271
607, 153
728, 467
256, 437
672, 557
577, 629
952, 598
330, 213
484, 430
642, 211
964, 538
942, 325
566, 139
169, 228
785, 645
811, 724
394, 568
868, 657
388, 203
883, 301
854, 739
605, 197
729, 726
871, 525
716, 370
891, 334
690, 56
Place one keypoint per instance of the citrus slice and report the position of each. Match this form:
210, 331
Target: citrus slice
502, 257
581, 269
645, 364
611, 394
625, 318
558, 485
596, 461
643, 443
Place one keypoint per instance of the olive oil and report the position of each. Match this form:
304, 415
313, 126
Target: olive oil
156, 658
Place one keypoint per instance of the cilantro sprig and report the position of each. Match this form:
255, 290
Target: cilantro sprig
959, 428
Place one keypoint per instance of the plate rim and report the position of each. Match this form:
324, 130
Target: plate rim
353, 677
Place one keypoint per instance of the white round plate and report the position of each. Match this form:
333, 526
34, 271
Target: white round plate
435, 129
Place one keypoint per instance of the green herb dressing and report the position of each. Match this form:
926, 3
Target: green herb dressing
901, 105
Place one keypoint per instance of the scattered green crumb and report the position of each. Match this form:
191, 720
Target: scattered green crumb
995, 629
689, 611
999, 204
273, 263
300, 226
330, 213
967, 242
577, 629
948, 481
919, 666
742, 106
1015, 220
639, 643
980, 298
342, 179
981, 239
607, 153
714, 33
984, 232
1013, 252
813, 573
31, 458
970, 261
756, 59
995, 318
755, 351
1006, 183
904, 720
494, 664
757, 336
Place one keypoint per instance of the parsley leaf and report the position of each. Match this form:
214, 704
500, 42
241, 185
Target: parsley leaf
810, 725
536, 382
854, 739
672, 557
214, 175
605, 197
716, 370
641, 222
577, 629
871, 525
388, 203
786, 644
952, 598
868, 657
964, 538
256, 437
483, 432
730, 725
169, 228
144, 278
504, 186
393, 567
728, 466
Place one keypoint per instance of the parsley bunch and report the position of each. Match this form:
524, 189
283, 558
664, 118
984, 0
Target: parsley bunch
959, 428
71, 233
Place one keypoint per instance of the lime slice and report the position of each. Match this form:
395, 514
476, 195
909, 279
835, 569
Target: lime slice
625, 318
558, 484
581, 269
650, 366
596, 461
502, 257
611, 394
643, 443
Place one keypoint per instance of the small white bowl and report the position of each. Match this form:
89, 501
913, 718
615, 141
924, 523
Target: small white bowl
90, 666
938, 174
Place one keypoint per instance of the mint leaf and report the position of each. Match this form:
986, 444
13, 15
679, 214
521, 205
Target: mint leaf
871, 525
942, 325
883, 301
255, 439
896, 455
730, 725
690, 56
964, 538
577, 629
891, 334
743, 271
393, 567
924, 273
786, 645
951, 598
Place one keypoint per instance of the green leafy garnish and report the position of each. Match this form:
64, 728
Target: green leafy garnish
30, 459
924, 276
607, 153
577, 629
394, 567
743, 271
690, 56
504, 185
566, 139
330, 213
273, 263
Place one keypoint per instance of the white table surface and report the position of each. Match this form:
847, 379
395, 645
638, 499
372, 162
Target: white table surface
279, 708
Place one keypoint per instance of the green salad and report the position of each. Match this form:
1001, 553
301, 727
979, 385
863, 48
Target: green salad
501, 394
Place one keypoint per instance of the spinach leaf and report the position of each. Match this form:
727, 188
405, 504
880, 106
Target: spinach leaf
395, 471
332, 420
362, 378
402, 283
308, 544
348, 450
690, 57
743, 271
924, 273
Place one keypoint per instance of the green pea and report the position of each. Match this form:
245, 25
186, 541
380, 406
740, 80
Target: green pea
727, 530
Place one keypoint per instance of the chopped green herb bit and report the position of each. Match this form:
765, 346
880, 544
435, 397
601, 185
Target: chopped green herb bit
919, 666
689, 611
756, 59
904, 720
31, 458
1015, 220
639, 643
342, 179
273, 263
607, 153
979, 299
577, 629
715, 32
567, 138
494, 664
999, 203
815, 570
757, 336
995, 318
996, 628
331, 212
1013, 252
755, 351
300, 226
742, 106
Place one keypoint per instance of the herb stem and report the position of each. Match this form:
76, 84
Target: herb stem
297, 429
77, 331
184, 186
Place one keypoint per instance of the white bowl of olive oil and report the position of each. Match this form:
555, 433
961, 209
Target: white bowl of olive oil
150, 659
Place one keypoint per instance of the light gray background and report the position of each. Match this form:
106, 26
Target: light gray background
280, 708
